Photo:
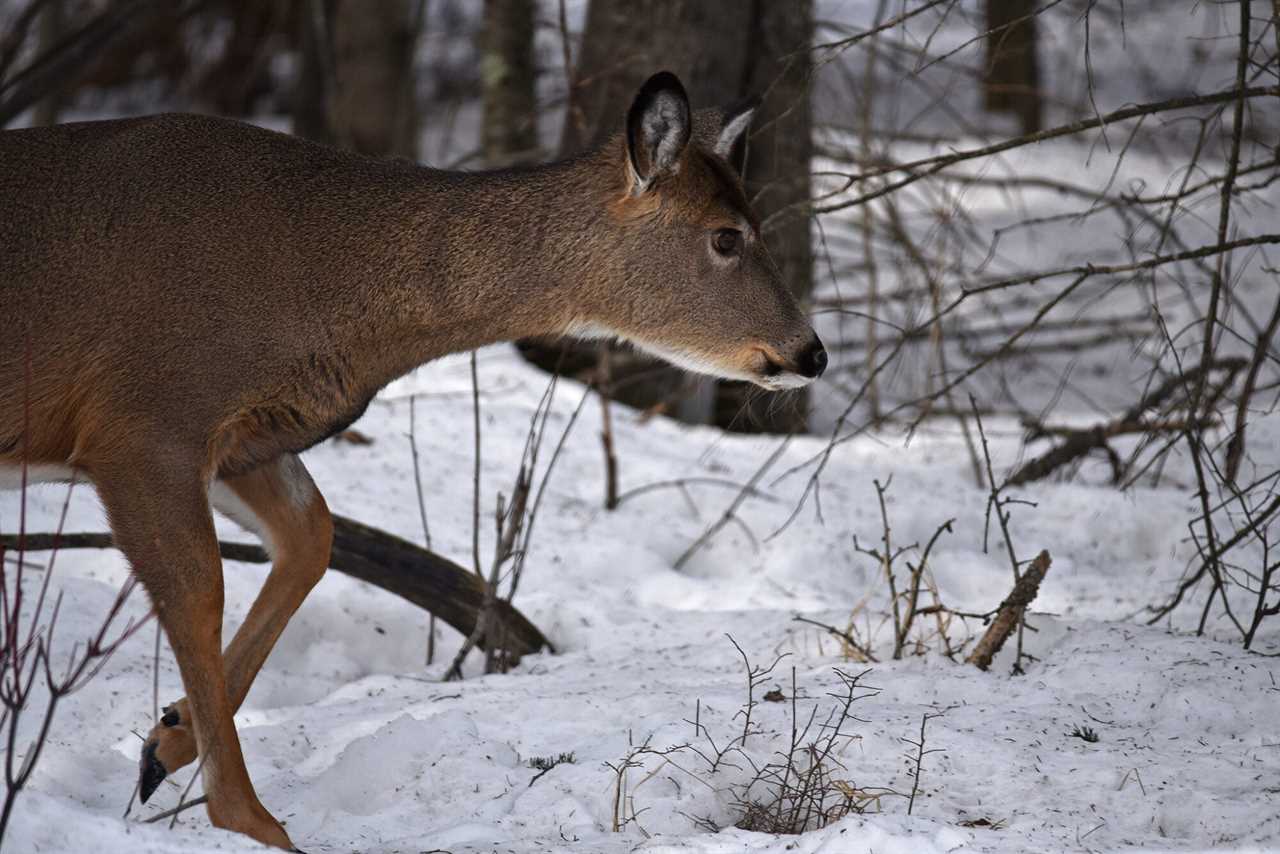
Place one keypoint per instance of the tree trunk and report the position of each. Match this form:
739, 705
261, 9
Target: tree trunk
259, 30
1012, 81
508, 78
703, 42
315, 72
355, 84
778, 177
53, 26
372, 105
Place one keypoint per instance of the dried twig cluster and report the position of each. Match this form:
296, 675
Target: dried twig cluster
801, 784
514, 520
35, 675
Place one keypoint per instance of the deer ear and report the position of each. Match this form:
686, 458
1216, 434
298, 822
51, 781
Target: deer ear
732, 142
658, 128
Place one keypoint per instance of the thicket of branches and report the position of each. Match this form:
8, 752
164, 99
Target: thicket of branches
1184, 283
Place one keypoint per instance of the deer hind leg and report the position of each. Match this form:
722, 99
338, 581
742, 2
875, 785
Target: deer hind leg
159, 512
279, 502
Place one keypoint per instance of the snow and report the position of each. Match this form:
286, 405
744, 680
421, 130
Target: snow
357, 746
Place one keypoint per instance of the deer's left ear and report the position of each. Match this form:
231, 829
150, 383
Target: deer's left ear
732, 142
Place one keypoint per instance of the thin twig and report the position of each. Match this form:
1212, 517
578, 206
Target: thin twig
732, 509
918, 759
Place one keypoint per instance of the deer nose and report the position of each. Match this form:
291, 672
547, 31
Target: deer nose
814, 360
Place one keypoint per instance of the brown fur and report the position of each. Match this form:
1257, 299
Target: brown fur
188, 299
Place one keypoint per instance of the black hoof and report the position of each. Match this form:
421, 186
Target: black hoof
170, 717
150, 772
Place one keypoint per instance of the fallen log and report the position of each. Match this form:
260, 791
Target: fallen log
428, 580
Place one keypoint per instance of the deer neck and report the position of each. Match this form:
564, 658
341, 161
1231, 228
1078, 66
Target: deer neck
478, 258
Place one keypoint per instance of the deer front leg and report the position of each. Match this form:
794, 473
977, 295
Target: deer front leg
159, 512
280, 503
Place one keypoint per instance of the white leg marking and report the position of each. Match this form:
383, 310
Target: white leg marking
229, 504
301, 489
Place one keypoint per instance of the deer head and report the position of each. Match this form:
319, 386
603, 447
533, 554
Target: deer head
690, 277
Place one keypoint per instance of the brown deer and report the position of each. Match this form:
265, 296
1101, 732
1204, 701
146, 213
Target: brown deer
189, 303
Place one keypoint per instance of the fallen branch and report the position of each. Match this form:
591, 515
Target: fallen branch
1010, 612
853, 647
1078, 442
428, 580
730, 513
172, 813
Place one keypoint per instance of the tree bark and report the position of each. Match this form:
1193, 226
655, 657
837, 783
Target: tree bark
778, 177
1010, 612
372, 105
1012, 81
508, 77
355, 84
315, 72
53, 27
703, 42
259, 30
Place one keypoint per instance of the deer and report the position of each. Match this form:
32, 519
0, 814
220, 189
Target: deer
192, 302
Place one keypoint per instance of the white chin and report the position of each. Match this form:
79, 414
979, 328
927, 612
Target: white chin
692, 362
783, 382
689, 361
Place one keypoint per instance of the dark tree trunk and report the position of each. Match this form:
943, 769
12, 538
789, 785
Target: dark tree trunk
778, 181
1012, 81
723, 50
372, 105
315, 60
703, 42
355, 84
508, 77
53, 26
241, 75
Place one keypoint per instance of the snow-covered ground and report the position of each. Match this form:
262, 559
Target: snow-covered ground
359, 747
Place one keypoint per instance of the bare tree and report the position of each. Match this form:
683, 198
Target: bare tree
1012, 81
240, 76
53, 25
508, 76
780, 69
355, 83
372, 104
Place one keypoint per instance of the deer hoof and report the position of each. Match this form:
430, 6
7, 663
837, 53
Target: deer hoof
151, 772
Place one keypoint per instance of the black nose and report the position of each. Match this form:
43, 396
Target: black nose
814, 360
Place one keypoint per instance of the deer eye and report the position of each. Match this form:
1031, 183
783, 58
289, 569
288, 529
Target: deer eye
727, 241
